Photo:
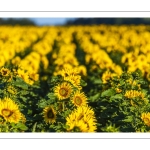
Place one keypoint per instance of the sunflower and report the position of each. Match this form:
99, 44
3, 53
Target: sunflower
90, 121
11, 90
75, 125
16, 60
28, 78
74, 80
82, 70
67, 72
78, 126
81, 119
24, 75
5, 72
9, 110
106, 76
79, 99
133, 93
146, 118
34, 76
49, 114
86, 110
63, 90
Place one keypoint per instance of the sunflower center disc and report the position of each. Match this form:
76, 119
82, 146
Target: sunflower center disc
4, 72
78, 100
6, 112
50, 114
63, 92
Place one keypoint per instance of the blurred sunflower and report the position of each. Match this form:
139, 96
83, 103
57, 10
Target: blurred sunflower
78, 98
74, 80
9, 110
146, 118
106, 76
63, 90
5, 71
34, 76
11, 90
24, 75
67, 72
16, 60
49, 114
82, 70
133, 93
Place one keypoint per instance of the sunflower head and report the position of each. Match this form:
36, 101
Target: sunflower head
49, 114
22, 74
82, 70
9, 110
74, 80
81, 119
63, 90
146, 118
79, 99
16, 60
11, 90
77, 126
67, 72
106, 76
5, 72
34, 76
25, 76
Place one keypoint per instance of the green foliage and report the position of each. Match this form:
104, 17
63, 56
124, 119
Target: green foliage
115, 110
18, 82
108, 93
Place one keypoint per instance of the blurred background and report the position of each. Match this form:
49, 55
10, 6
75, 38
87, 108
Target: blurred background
72, 21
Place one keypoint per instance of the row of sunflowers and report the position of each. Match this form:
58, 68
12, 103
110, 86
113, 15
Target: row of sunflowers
75, 78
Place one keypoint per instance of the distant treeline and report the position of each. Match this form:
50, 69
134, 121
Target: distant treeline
12, 21
81, 21
111, 21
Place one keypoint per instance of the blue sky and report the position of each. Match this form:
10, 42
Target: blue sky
50, 21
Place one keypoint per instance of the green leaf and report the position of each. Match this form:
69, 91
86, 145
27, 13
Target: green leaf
23, 98
83, 83
51, 96
128, 119
95, 97
20, 83
29, 111
21, 126
117, 96
97, 81
34, 127
122, 83
55, 79
42, 103
109, 92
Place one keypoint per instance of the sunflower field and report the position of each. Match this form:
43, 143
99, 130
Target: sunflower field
75, 78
